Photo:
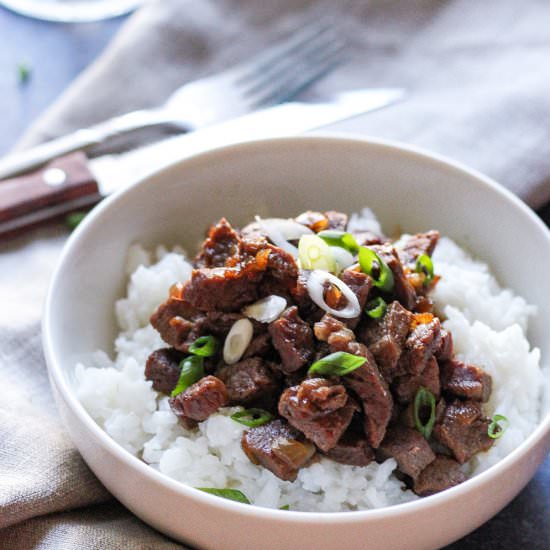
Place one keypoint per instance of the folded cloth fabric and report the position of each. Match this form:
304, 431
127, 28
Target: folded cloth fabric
476, 73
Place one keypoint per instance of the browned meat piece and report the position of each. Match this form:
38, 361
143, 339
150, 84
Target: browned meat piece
420, 346
200, 400
404, 387
386, 337
248, 380
366, 381
352, 449
368, 238
278, 447
293, 339
360, 284
463, 430
221, 245
337, 221
403, 289
171, 319
409, 448
163, 369
314, 220
416, 245
260, 345
465, 381
443, 473
320, 409
309, 310
445, 351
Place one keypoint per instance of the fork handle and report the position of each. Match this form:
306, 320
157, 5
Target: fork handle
80, 140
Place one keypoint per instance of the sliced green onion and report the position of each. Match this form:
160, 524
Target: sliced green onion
192, 370
24, 72
314, 253
425, 265
495, 430
285, 507
252, 417
376, 268
205, 346
337, 364
376, 308
72, 220
424, 398
339, 238
230, 494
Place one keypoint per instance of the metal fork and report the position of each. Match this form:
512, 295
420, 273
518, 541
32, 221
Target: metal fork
273, 76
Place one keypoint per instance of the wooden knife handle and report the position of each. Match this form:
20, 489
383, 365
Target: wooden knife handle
59, 187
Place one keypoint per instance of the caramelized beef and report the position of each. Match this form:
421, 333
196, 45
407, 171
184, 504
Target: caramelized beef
200, 400
466, 381
405, 387
352, 449
320, 409
386, 337
409, 449
293, 339
443, 473
278, 447
171, 320
403, 289
445, 351
416, 245
260, 345
248, 380
308, 309
337, 221
463, 429
360, 284
314, 220
221, 246
420, 346
163, 369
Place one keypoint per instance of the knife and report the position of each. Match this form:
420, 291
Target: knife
75, 182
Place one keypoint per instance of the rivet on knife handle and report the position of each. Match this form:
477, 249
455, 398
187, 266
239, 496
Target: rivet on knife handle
59, 187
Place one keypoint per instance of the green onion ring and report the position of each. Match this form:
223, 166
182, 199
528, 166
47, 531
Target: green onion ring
205, 346
425, 265
495, 430
367, 260
376, 308
230, 494
337, 364
339, 238
424, 398
192, 370
252, 417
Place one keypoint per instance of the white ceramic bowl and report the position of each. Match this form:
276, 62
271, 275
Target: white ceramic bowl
406, 188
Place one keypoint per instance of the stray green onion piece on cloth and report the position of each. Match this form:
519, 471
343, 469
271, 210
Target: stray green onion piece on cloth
24, 72
73, 219
337, 364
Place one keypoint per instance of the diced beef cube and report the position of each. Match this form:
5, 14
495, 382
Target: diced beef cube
463, 430
171, 320
386, 337
334, 332
443, 473
221, 246
353, 449
403, 289
337, 221
163, 369
409, 448
248, 380
420, 346
360, 284
368, 238
260, 345
445, 351
466, 381
293, 339
320, 409
416, 245
314, 220
405, 387
278, 447
200, 400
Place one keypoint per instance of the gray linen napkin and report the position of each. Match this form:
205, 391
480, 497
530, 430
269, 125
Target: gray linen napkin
477, 74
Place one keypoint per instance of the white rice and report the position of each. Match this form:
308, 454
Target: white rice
488, 326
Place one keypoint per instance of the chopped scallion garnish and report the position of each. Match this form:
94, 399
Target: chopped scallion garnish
205, 346
252, 417
337, 364
424, 399
72, 220
192, 370
23, 72
314, 253
425, 265
376, 308
230, 494
496, 430
285, 507
339, 238
376, 268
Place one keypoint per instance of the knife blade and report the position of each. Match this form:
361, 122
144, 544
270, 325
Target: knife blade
75, 182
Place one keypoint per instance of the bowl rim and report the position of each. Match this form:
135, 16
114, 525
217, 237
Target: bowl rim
57, 378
